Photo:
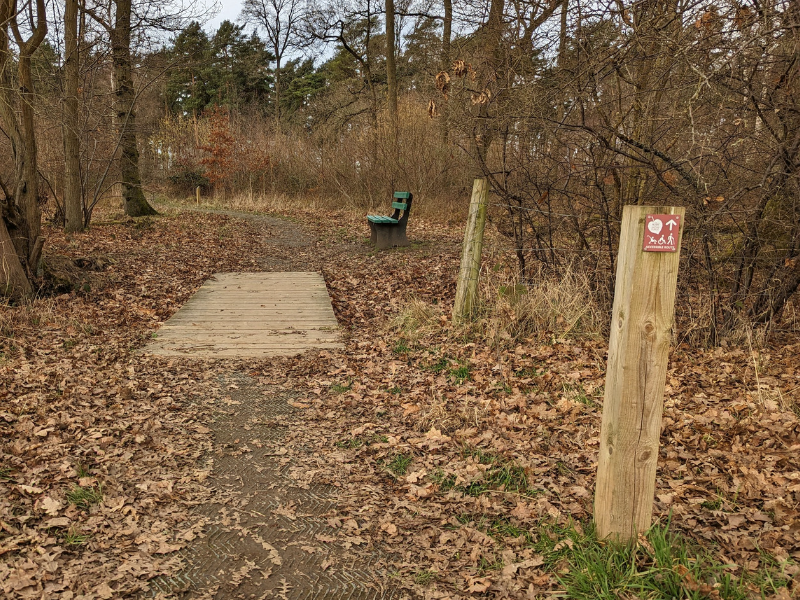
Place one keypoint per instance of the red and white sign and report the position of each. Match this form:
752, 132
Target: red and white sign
661, 233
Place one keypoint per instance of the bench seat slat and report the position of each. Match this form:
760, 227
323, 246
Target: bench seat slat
381, 219
399, 205
404, 195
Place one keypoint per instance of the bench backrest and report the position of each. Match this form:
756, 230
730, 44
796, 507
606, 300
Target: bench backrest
402, 206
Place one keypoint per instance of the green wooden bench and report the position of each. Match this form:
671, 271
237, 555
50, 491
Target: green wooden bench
386, 232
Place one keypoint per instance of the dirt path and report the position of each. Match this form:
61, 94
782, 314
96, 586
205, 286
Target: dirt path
269, 529
287, 245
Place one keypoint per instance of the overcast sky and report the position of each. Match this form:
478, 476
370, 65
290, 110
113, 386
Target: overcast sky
229, 9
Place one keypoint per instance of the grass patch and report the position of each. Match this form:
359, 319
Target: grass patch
358, 441
485, 565
715, 504
508, 477
527, 373
350, 443
446, 482
460, 374
73, 537
338, 388
84, 497
401, 347
399, 464
439, 366
663, 565
424, 577
501, 475
576, 392
484, 458
504, 528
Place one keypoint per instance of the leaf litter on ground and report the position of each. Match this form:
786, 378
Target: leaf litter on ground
471, 465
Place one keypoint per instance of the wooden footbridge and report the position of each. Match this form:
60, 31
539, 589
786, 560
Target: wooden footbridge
251, 315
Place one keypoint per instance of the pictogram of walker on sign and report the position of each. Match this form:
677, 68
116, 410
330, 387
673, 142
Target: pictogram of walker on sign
661, 233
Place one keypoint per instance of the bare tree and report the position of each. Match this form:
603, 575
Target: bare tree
73, 196
20, 218
132, 194
391, 69
351, 26
281, 21
119, 20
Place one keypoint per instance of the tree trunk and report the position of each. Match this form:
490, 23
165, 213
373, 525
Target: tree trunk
562, 34
277, 91
447, 33
132, 195
20, 230
73, 201
391, 69
13, 280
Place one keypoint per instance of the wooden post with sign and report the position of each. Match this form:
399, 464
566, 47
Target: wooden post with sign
467, 285
641, 329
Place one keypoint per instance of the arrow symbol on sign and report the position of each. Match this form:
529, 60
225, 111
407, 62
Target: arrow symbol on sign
671, 223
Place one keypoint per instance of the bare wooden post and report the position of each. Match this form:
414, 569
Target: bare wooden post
197, 194
467, 286
641, 328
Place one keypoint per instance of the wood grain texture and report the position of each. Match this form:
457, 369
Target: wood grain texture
467, 285
251, 315
641, 330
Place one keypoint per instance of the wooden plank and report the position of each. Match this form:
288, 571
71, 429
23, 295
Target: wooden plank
218, 334
251, 315
286, 315
400, 205
259, 289
209, 350
248, 344
247, 325
286, 294
380, 219
251, 335
256, 304
641, 329
405, 195
166, 345
210, 353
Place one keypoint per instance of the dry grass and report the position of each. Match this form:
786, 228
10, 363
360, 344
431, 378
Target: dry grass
551, 307
436, 210
419, 319
278, 203
509, 311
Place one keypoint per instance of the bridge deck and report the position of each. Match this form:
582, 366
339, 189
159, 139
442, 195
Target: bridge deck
251, 315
